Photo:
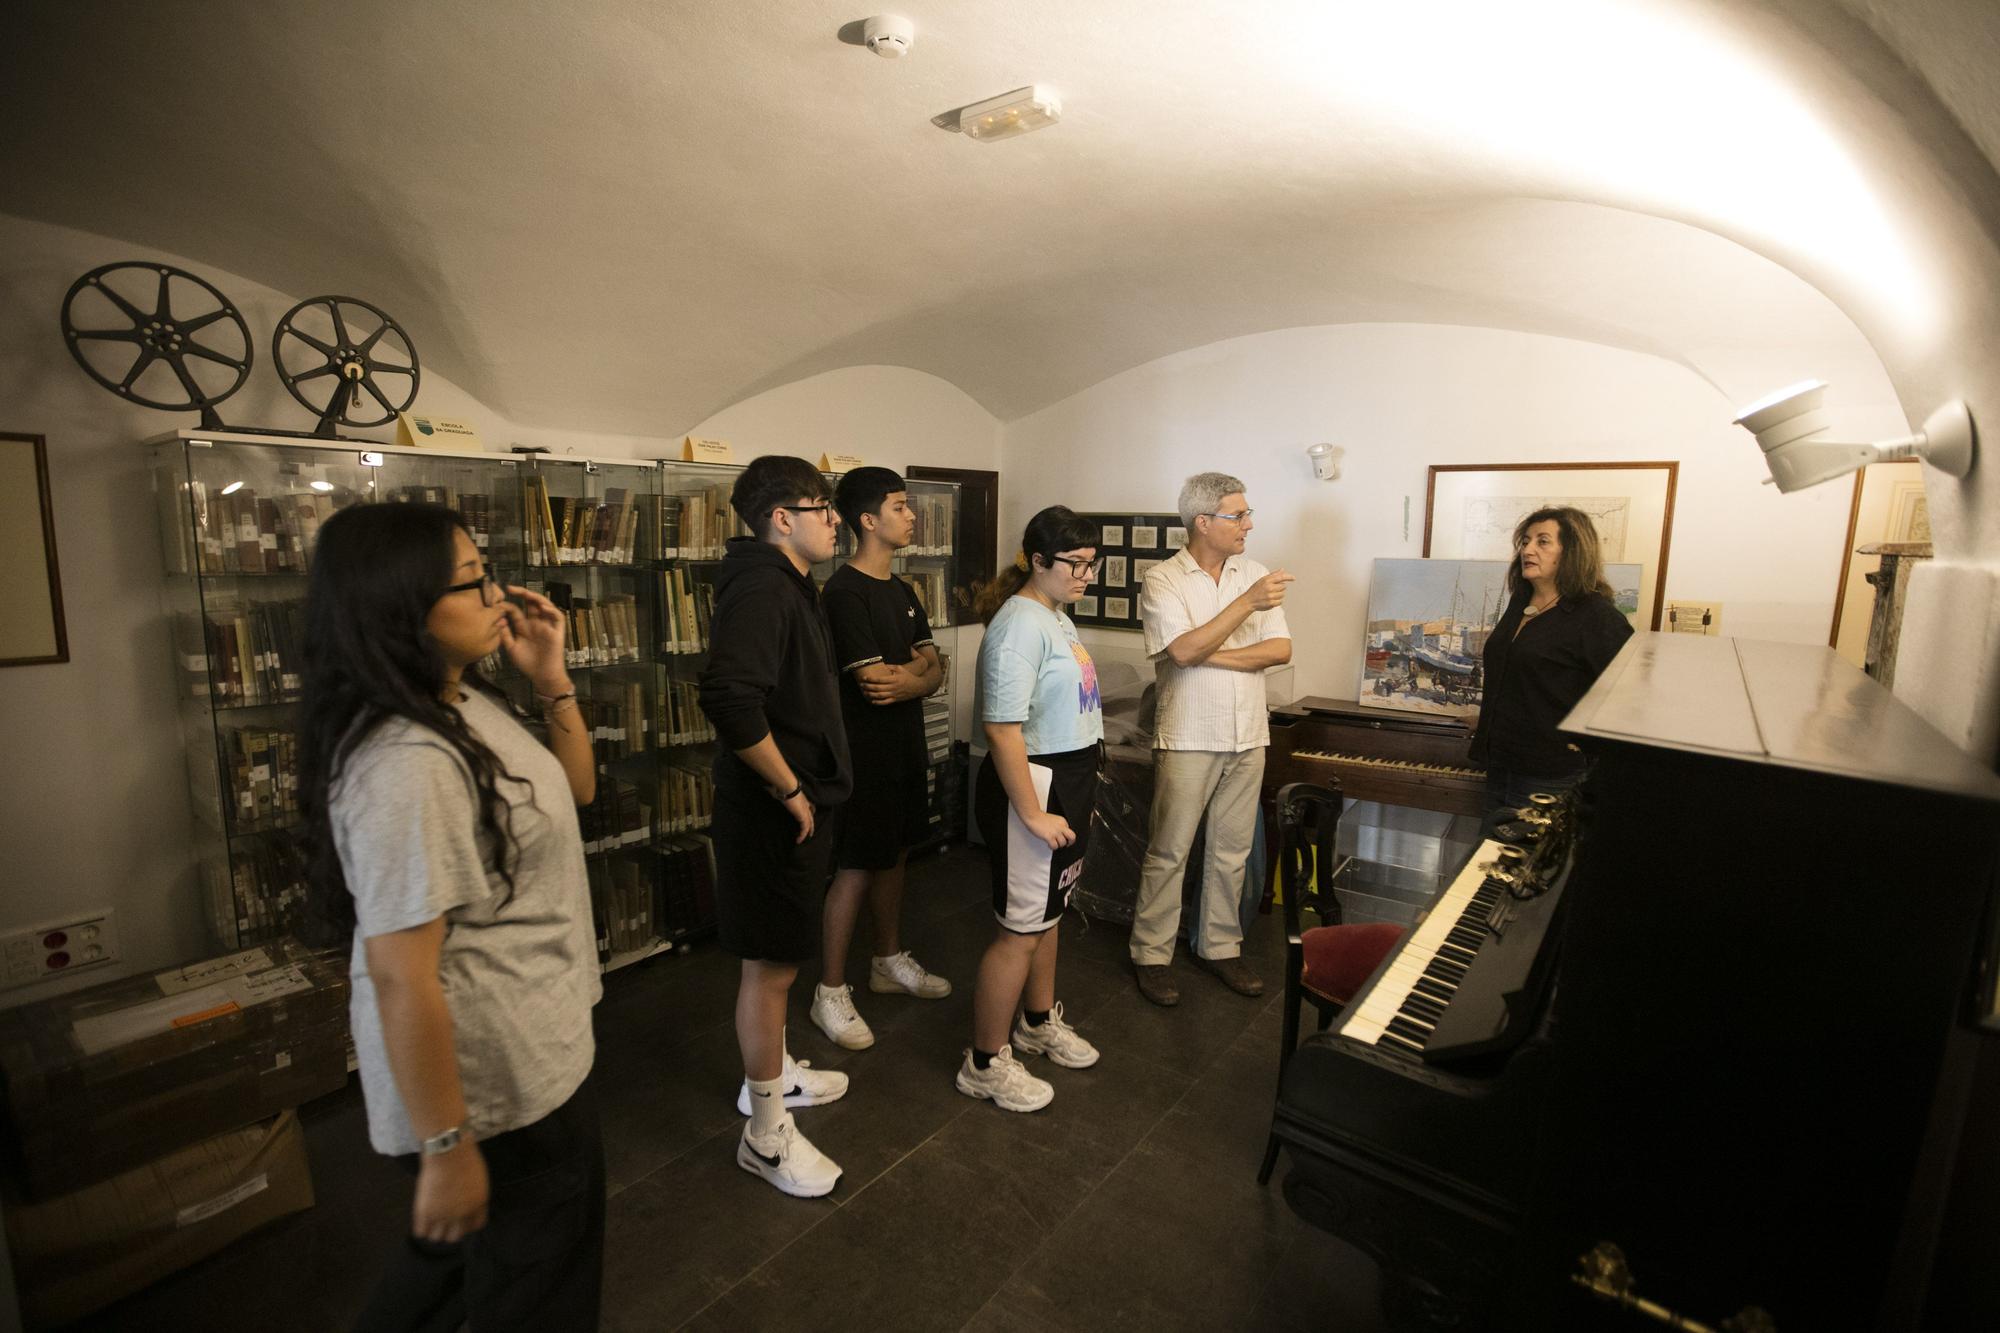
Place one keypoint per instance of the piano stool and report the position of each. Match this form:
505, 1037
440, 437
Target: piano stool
1327, 964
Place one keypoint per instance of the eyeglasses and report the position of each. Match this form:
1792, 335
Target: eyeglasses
1233, 518
1082, 569
825, 511
490, 591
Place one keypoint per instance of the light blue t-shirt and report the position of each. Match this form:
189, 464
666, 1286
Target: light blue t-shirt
1035, 671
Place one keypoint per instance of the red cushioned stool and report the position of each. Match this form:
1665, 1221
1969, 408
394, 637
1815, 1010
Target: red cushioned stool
1327, 964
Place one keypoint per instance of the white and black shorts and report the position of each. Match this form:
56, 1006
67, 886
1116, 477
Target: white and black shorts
1032, 882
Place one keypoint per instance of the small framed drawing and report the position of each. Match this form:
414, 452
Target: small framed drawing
1471, 511
32, 632
1889, 506
1130, 547
1176, 538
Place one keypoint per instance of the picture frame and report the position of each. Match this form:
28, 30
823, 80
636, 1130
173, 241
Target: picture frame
33, 631
1131, 545
1470, 510
1889, 505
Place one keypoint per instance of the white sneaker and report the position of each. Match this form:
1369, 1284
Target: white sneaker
833, 1013
1055, 1039
1006, 1082
789, 1161
804, 1086
900, 972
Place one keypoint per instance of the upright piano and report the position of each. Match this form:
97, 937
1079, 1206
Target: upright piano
1710, 1057
1373, 754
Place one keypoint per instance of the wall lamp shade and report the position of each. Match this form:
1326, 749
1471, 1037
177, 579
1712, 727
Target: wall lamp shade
1791, 427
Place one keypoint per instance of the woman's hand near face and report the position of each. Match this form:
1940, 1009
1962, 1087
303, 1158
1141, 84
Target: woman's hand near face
534, 638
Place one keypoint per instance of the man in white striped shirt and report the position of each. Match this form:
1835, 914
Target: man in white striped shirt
1214, 621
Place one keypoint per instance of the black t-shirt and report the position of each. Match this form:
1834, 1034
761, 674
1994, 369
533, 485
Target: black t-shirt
1534, 678
876, 620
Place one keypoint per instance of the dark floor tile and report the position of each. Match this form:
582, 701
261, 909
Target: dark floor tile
663, 1104
679, 1239
1323, 1283
920, 1249
1186, 1038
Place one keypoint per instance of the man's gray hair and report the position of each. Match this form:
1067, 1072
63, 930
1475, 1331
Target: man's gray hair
1202, 492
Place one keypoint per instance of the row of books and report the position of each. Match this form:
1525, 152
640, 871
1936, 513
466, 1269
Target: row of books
687, 799
263, 773
472, 506
686, 605
617, 719
692, 524
617, 817
248, 655
237, 531
681, 721
933, 594
579, 529
267, 888
687, 885
603, 631
935, 523
621, 901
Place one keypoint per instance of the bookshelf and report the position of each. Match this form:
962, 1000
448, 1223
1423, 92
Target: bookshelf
239, 514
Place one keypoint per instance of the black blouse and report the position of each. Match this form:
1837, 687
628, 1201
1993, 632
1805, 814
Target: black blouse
1532, 681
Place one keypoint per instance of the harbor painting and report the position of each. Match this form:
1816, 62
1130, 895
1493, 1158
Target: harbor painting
1428, 621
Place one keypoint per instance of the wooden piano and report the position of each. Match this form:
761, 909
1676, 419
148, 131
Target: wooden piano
1373, 754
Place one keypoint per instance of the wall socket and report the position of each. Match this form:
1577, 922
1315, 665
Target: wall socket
57, 948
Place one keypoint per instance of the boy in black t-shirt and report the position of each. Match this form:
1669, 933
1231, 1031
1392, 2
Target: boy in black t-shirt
888, 665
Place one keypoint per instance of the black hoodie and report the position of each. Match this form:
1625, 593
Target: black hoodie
771, 672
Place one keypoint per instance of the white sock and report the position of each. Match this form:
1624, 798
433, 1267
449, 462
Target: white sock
825, 992
767, 1106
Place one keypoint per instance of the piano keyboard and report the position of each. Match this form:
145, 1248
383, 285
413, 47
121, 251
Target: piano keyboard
1404, 1006
1391, 765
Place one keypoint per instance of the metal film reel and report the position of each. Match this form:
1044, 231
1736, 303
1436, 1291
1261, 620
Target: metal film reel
352, 361
160, 336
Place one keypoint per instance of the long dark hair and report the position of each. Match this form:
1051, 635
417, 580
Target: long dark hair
1581, 568
376, 572
1054, 530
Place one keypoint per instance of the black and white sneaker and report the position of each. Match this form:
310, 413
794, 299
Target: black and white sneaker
788, 1160
804, 1086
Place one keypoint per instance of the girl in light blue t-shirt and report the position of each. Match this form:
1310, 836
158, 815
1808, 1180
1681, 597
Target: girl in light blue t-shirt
1037, 701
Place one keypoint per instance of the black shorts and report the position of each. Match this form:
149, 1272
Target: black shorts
1032, 882
886, 816
769, 888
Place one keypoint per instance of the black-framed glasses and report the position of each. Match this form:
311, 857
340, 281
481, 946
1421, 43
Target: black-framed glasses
1238, 517
824, 511
490, 591
1082, 569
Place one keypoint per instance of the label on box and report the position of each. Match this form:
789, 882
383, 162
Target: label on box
214, 969
262, 986
222, 1203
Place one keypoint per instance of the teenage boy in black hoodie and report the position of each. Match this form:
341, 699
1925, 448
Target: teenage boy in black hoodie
772, 692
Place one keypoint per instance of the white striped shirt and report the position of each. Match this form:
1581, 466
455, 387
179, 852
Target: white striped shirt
1206, 707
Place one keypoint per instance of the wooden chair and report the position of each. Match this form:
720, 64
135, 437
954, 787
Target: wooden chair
1327, 963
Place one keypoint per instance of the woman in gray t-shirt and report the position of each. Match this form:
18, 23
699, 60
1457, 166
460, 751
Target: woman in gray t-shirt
443, 837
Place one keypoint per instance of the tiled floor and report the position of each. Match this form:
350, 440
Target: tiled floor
1131, 1202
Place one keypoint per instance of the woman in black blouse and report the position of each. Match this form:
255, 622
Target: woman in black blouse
1560, 631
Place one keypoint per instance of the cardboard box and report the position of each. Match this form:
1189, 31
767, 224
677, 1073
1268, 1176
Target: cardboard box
80, 1252
104, 1079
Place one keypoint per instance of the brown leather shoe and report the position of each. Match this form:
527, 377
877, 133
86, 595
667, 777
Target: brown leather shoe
1156, 983
1235, 974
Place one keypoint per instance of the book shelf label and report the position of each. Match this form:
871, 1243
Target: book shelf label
414, 431
704, 451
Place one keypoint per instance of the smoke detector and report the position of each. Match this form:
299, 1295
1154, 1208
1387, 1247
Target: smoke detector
888, 35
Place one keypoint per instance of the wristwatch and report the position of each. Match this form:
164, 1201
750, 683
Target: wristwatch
442, 1142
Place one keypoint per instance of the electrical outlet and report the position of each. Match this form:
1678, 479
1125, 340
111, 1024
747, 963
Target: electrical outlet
57, 948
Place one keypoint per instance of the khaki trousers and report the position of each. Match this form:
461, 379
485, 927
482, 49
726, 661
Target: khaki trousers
1186, 785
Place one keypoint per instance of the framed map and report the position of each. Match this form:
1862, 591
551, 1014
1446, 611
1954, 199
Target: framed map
1471, 511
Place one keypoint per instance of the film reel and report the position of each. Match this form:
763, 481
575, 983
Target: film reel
317, 340
159, 336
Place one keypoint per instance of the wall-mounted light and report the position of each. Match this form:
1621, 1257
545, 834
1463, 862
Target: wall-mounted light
1791, 427
1325, 461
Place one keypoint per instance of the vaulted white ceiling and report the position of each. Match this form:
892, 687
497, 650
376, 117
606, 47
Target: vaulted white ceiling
621, 216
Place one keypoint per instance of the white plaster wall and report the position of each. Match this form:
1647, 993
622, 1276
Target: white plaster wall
1398, 398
